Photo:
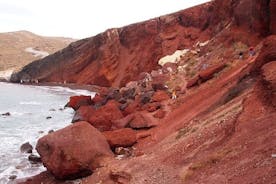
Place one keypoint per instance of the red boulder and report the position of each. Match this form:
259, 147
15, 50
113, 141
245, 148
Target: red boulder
122, 123
151, 107
192, 82
125, 137
209, 72
142, 120
77, 101
83, 113
74, 151
159, 96
98, 99
101, 118
160, 114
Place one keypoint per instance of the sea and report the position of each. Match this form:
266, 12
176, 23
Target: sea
34, 111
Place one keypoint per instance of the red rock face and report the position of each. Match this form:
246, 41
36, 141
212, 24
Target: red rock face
74, 151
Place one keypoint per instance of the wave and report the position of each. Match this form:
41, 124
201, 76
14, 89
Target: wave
29, 103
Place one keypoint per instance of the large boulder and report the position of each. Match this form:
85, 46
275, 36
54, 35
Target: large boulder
74, 151
77, 101
103, 118
125, 137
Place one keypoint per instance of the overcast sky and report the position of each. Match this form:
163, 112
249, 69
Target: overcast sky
81, 18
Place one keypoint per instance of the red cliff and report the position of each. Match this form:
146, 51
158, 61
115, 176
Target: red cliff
118, 55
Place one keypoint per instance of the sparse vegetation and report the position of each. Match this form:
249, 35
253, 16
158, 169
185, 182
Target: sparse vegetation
182, 132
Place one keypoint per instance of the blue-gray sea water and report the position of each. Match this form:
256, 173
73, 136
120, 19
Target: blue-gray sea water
28, 107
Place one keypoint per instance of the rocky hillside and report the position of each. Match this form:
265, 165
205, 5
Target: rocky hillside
20, 48
203, 113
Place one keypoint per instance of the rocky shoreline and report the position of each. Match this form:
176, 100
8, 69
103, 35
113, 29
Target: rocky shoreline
206, 115
113, 125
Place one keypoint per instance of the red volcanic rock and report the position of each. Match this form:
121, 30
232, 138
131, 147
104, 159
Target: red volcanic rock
209, 72
98, 99
125, 137
151, 107
74, 151
122, 123
141, 120
159, 82
267, 53
160, 114
77, 101
83, 113
192, 82
132, 107
103, 117
269, 74
160, 96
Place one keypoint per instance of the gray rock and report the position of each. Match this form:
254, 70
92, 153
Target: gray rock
26, 148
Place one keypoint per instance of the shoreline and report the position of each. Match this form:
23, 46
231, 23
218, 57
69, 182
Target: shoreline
73, 86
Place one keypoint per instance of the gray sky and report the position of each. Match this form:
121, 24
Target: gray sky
81, 18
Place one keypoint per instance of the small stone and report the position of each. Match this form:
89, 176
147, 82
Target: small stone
52, 109
6, 114
12, 177
34, 158
26, 148
50, 131
122, 151
40, 132
48, 117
